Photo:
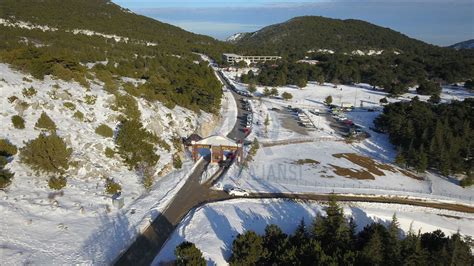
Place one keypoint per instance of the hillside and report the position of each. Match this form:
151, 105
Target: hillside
350, 51
95, 100
301, 34
469, 44
38, 38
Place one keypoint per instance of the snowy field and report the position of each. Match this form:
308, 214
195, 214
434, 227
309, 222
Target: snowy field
214, 226
80, 225
313, 167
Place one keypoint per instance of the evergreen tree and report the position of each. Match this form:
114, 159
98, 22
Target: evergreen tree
373, 250
247, 249
393, 244
275, 242
274, 92
188, 255
266, 92
252, 87
48, 153
286, 96
435, 98
45, 122
328, 100
136, 145
460, 252
334, 233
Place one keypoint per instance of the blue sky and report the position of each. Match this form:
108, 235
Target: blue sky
440, 22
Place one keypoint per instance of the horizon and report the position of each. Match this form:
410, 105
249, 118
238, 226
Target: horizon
439, 23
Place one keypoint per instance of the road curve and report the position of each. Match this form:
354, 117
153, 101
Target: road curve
147, 245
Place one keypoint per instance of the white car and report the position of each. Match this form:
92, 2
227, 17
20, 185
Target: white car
237, 192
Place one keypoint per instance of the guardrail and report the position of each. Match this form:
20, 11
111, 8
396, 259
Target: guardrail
333, 187
297, 140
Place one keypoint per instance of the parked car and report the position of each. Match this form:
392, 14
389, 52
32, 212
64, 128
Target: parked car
237, 192
314, 111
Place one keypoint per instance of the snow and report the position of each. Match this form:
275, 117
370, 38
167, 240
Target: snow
274, 167
80, 226
30, 26
214, 226
25, 25
235, 37
369, 52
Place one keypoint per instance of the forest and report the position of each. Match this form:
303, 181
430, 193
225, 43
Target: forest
332, 240
404, 62
394, 73
171, 70
438, 136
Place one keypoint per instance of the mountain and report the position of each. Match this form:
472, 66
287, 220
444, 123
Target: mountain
469, 44
102, 16
301, 34
66, 39
234, 38
350, 51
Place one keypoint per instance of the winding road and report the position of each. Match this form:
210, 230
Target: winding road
147, 245
193, 194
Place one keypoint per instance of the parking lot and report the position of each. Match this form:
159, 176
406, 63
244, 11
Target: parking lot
290, 121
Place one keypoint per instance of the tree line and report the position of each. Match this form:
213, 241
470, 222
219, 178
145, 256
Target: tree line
394, 73
332, 240
438, 136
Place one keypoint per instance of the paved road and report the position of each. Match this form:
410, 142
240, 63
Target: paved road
237, 132
149, 243
144, 249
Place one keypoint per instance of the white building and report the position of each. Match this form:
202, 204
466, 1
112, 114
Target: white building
235, 58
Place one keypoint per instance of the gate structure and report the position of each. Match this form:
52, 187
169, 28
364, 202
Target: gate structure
221, 148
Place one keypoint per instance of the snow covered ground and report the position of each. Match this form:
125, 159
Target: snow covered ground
276, 168
214, 226
80, 226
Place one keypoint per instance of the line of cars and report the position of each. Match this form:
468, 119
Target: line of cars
302, 117
353, 130
248, 117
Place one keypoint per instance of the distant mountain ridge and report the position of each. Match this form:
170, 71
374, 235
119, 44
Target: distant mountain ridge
301, 34
236, 37
469, 44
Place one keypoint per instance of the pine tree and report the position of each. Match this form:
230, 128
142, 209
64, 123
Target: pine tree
393, 247
275, 242
48, 153
252, 87
418, 255
373, 250
422, 161
461, 252
187, 254
247, 249
334, 233
45, 122
328, 100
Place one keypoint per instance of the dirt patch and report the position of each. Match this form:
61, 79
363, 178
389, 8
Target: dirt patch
353, 173
306, 161
367, 163
374, 167
410, 174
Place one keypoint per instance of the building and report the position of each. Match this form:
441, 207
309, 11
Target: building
220, 148
308, 61
235, 58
